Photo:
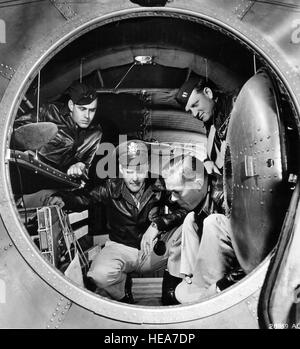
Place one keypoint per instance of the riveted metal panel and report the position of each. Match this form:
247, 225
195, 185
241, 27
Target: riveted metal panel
254, 171
28, 302
6, 71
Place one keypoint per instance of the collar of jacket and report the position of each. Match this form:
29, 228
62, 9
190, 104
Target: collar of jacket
221, 114
153, 186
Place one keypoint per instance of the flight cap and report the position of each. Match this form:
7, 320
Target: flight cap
132, 153
81, 94
186, 90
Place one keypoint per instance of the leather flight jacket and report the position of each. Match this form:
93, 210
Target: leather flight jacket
125, 223
71, 144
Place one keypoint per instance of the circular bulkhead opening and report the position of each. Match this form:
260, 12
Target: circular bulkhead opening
136, 73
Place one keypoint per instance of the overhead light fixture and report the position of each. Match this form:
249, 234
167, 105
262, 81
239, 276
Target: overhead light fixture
138, 60
143, 60
150, 3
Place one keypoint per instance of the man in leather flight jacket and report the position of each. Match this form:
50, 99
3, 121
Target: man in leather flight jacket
75, 143
135, 215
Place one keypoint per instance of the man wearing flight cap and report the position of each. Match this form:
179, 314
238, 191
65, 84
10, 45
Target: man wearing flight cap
215, 266
72, 148
209, 104
135, 214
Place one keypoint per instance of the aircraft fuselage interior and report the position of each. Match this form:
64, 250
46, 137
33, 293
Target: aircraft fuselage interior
137, 63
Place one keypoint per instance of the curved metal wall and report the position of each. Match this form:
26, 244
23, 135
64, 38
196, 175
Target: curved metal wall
48, 299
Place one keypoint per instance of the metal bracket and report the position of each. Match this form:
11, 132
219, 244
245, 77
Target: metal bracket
6, 71
242, 9
250, 166
64, 8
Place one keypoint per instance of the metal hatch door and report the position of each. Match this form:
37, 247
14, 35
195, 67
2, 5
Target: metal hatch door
255, 171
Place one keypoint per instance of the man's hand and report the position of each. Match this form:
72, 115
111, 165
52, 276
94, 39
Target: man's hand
54, 201
77, 170
23, 118
148, 239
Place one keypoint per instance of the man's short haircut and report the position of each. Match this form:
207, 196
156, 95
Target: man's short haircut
189, 167
203, 82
